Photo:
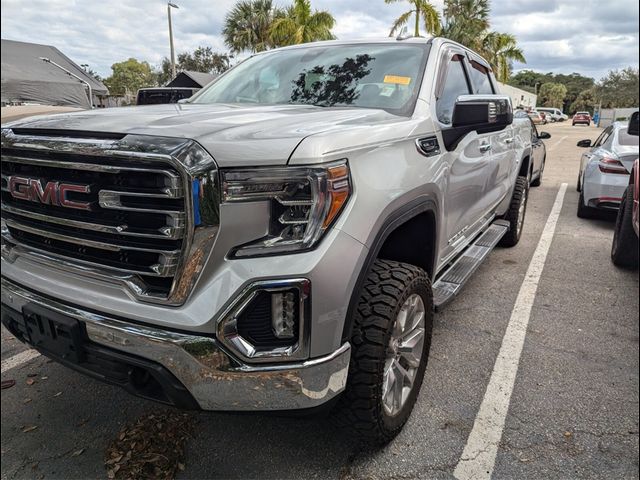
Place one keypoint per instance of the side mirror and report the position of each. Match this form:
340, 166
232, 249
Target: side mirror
584, 143
477, 113
544, 135
633, 124
183, 100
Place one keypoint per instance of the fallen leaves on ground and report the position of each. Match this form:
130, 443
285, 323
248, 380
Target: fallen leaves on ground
8, 383
29, 429
77, 453
151, 448
30, 381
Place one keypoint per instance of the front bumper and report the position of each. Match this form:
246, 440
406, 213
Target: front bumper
215, 379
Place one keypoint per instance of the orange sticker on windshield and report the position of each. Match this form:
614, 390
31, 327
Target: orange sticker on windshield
397, 79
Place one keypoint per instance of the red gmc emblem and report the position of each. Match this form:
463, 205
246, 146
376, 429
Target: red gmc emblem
52, 193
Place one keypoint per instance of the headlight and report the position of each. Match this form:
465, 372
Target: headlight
304, 203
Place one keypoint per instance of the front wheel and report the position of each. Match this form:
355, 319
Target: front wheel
389, 350
516, 213
624, 248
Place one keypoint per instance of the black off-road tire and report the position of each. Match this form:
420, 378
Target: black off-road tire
360, 410
583, 210
538, 181
624, 248
520, 194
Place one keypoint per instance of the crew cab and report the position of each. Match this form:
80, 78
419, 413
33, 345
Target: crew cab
279, 241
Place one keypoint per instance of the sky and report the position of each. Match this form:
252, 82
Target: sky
590, 37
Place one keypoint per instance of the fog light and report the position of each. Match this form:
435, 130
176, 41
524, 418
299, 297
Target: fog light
283, 314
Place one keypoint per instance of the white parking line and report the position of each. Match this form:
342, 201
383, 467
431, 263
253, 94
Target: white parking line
479, 455
559, 142
18, 359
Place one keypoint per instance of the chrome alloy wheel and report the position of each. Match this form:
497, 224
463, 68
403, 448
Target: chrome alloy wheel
404, 354
521, 210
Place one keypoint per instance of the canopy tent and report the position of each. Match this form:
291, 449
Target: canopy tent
191, 79
27, 78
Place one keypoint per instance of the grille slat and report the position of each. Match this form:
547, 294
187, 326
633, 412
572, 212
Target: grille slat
135, 220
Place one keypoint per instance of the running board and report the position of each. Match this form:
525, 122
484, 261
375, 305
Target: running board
451, 281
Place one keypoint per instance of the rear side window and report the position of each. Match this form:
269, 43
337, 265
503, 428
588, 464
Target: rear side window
480, 79
455, 84
625, 139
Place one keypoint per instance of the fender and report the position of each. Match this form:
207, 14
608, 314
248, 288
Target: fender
397, 218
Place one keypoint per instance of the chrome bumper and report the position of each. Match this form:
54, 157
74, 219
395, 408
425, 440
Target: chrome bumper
215, 379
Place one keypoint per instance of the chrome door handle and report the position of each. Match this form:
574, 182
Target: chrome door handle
508, 140
485, 148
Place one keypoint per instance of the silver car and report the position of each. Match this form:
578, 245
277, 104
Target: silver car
605, 168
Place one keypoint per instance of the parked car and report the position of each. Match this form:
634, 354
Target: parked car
159, 95
555, 114
231, 263
604, 169
581, 118
624, 248
538, 118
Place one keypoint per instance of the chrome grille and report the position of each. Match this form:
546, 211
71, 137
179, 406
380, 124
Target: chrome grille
138, 222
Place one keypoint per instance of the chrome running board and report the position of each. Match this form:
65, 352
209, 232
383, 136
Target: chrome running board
453, 278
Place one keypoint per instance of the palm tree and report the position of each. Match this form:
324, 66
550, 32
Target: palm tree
465, 21
247, 25
500, 50
300, 25
423, 8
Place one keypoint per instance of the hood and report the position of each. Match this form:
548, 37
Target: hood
234, 135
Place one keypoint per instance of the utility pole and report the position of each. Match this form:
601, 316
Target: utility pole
173, 54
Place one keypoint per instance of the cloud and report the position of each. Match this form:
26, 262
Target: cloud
587, 36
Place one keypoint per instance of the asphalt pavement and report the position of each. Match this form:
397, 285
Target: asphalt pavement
573, 410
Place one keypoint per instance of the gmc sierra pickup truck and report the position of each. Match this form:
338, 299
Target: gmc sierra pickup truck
279, 241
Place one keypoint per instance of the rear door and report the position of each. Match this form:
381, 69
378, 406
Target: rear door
469, 165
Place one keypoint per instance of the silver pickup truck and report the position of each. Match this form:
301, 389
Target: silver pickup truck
277, 242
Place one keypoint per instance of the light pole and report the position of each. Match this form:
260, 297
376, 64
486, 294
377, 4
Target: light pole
173, 55
46, 60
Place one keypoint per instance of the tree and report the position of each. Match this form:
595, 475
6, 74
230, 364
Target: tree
500, 50
247, 26
300, 25
91, 72
129, 76
202, 59
421, 9
584, 102
552, 95
466, 21
619, 89
574, 82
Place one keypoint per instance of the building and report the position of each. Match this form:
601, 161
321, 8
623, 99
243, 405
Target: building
26, 78
519, 98
191, 79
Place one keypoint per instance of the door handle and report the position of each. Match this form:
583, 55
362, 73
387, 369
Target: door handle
508, 140
485, 148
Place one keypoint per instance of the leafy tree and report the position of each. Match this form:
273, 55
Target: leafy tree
500, 50
421, 9
574, 82
619, 89
202, 59
247, 26
301, 25
552, 95
585, 102
528, 79
91, 72
129, 76
466, 21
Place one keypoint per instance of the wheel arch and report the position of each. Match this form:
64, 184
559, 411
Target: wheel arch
396, 240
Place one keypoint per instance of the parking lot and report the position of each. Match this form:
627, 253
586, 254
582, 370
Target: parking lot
573, 410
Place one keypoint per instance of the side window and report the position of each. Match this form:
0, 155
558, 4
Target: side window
480, 79
534, 132
455, 84
603, 137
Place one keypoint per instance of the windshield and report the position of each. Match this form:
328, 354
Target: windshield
370, 75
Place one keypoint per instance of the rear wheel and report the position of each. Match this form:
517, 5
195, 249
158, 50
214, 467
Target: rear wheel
583, 210
516, 213
624, 248
389, 349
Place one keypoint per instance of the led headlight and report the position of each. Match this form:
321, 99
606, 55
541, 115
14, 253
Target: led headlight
304, 203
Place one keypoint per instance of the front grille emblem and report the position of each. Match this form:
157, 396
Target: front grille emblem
52, 193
